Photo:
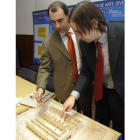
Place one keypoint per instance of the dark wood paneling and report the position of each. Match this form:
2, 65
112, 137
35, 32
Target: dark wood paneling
24, 46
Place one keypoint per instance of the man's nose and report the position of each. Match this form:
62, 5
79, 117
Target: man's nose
57, 25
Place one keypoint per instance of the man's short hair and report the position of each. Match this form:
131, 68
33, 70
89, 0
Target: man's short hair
58, 4
82, 15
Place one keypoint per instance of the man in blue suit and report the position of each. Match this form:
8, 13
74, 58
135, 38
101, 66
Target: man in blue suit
102, 47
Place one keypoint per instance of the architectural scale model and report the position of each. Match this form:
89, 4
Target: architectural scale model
31, 101
46, 124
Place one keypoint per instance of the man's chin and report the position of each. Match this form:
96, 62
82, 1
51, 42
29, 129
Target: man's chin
86, 40
61, 31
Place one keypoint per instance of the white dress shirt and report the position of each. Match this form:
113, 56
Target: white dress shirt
107, 79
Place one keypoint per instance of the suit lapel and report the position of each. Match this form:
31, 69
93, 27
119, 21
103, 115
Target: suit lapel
113, 47
60, 45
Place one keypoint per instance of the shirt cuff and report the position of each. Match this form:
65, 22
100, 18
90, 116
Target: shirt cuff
75, 94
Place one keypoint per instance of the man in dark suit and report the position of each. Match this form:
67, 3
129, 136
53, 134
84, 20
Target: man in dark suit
102, 47
55, 49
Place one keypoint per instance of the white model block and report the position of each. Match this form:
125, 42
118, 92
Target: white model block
30, 100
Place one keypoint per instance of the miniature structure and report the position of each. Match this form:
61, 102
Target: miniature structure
46, 124
31, 101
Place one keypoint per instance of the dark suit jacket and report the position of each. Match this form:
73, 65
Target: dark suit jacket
54, 51
116, 59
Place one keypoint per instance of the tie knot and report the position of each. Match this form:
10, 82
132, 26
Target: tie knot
68, 34
98, 44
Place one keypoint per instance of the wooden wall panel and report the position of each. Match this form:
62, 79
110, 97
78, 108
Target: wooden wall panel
24, 46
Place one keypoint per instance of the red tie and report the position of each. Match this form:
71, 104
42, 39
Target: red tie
72, 55
98, 80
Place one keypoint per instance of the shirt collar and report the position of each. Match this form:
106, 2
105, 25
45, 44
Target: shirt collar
63, 34
103, 37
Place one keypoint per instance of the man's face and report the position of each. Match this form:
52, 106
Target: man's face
60, 20
88, 37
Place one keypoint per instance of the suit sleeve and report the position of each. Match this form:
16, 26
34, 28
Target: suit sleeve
45, 66
85, 76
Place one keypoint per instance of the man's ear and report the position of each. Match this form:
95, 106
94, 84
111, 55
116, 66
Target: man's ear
95, 23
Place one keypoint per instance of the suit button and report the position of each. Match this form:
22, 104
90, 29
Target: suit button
70, 63
72, 84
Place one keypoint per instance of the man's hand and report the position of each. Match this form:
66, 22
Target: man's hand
68, 105
38, 97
